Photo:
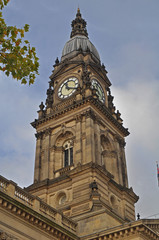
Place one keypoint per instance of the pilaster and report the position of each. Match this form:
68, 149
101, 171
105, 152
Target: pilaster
46, 159
37, 168
83, 139
90, 143
78, 145
52, 163
97, 143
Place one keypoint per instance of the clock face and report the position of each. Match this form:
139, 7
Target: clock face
68, 87
99, 89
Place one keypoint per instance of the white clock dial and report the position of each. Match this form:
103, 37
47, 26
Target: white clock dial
68, 87
100, 92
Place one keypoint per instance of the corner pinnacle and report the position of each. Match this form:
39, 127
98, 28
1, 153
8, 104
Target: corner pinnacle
79, 25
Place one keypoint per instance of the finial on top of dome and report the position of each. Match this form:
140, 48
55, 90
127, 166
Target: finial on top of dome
79, 25
78, 12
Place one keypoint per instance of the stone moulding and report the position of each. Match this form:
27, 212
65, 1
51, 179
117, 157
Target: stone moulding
33, 210
126, 231
76, 104
95, 66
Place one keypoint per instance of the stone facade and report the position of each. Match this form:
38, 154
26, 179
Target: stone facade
25, 216
80, 188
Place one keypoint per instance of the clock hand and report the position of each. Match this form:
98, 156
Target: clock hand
68, 88
71, 88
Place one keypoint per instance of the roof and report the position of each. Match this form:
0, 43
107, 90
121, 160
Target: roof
79, 42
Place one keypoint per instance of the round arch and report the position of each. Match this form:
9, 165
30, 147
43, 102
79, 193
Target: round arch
63, 133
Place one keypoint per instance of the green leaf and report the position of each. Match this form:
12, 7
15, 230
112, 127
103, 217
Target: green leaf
26, 41
26, 28
24, 81
17, 57
7, 73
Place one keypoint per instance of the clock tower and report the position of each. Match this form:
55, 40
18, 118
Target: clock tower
80, 165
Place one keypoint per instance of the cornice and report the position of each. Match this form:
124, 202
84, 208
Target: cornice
67, 176
121, 188
47, 182
76, 104
125, 190
125, 231
34, 211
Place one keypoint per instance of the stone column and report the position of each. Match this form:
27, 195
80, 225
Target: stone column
118, 160
90, 146
83, 140
123, 163
77, 145
120, 144
52, 162
37, 167
46, 159
97, 144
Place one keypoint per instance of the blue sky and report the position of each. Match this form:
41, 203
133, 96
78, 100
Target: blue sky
126, 34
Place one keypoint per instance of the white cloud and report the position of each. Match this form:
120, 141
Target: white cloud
17, 146
138, 102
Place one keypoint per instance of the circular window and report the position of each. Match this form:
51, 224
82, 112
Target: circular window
62, 199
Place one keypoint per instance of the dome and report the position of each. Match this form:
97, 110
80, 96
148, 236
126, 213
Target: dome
79, 42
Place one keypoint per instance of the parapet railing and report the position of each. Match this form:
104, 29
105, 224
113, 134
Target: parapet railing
46, 209
64, 170
14, 191
23, 196
3, 184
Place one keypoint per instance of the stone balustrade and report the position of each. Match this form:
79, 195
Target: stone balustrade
65, 104
46, 209
3, 184
64, 170
21, 195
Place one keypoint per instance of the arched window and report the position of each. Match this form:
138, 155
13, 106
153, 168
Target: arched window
68, 153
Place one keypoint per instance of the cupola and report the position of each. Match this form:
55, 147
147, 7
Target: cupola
79, 40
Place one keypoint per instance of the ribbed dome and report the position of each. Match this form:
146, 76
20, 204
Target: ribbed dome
79, 42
